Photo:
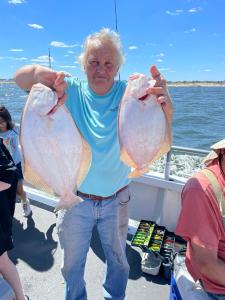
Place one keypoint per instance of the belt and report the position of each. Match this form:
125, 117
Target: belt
96, 198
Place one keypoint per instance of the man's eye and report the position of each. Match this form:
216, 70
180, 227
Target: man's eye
93, 63
108, 65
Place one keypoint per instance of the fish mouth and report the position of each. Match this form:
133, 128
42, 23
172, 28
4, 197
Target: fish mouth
51, 110
143, 97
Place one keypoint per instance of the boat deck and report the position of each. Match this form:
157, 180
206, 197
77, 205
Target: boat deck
37, 256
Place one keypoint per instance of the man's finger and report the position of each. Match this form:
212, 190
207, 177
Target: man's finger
60, 76
155, 72
62, 100
155, 90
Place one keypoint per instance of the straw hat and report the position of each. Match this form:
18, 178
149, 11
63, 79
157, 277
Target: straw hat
215, 151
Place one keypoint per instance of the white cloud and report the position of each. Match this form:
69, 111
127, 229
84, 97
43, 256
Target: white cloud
16, 1
13, 58
16, 50
159, 60
21, 58
132, 47
43, 59
70, 52
164, 69
62, 45
194, 9
159, 55
69, 67
177, 12
36, 26
190, 30
207, 70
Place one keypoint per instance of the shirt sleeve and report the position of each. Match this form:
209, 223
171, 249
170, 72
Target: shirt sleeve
198, 221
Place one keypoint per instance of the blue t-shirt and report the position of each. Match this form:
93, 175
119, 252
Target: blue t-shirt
10, 140
96, 117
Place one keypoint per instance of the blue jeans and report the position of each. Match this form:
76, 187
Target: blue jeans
216, 296
75, 230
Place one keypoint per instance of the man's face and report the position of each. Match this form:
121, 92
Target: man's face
101, 67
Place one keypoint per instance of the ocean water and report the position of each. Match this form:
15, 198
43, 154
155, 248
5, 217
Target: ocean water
199, 120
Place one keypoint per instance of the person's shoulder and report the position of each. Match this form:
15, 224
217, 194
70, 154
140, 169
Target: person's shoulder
120, 85
121, 82
197, 181
71, 80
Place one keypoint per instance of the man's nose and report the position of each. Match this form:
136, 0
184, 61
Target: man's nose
100, 68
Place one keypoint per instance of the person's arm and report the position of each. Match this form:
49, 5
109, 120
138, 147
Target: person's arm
4, 186
28, 75
208, 262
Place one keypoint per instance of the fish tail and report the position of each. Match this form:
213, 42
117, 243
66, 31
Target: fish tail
67, 201
138, 172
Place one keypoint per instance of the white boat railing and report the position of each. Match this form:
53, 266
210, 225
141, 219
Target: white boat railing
181, 151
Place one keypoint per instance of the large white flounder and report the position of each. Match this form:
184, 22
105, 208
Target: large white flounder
55, 153
143, 127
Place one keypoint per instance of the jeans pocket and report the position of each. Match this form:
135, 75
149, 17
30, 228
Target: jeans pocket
124, 197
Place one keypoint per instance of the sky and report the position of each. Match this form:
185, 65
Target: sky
184, 38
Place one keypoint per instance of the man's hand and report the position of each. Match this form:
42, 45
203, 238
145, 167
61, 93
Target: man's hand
59, 87
161, 91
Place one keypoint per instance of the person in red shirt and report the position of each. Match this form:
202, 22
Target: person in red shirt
201, 224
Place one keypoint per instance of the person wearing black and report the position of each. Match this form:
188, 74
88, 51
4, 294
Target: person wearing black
8, 186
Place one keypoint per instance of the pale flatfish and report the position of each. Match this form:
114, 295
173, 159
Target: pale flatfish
55, 154
144, 132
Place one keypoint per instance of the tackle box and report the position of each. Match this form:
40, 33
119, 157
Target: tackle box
143, 233
159, 247
157, 237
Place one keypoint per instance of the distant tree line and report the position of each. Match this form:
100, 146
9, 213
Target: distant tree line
196, 81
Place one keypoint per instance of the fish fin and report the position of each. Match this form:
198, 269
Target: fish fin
125, 157
35, 179
166, 146
138, 172
85, 162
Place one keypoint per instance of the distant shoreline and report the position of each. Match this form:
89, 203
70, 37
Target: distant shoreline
169, 83
199, 83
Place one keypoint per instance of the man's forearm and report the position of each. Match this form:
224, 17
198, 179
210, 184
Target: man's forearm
28, 75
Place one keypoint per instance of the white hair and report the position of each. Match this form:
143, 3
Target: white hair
105, 35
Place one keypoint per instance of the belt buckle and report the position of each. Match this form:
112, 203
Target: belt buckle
93, 197
90, 196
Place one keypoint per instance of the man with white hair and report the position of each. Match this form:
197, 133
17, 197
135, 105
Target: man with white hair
94, 106
202, 222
